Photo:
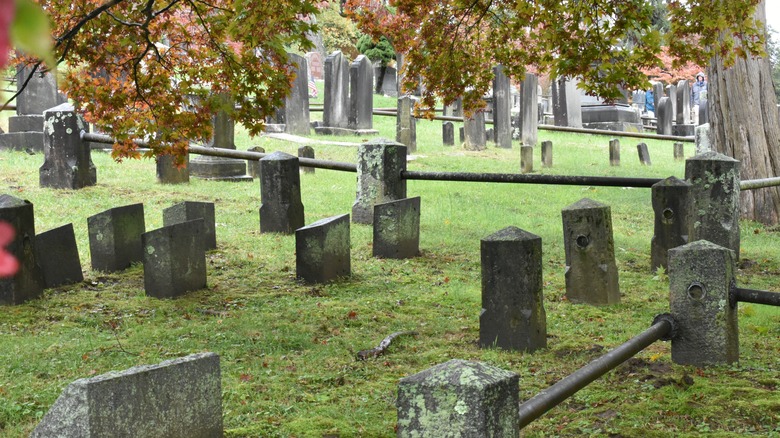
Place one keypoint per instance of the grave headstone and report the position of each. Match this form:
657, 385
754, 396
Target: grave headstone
459, 399
336, 108
658, 93
281, 209
406, 124
683, 94
663, 113
380, 163
526, 159
169, 173
702, 139
462, 134
502, 107
644, 154
306, 152
670, 205
679, 151
547, 153
528, 117
591, 272
174, 259
58, 256
490, 135
115, 237
220, 168
390, 82
566, 103
397, 229
448, 133
474, 130
179, 398
512, 314
704, 112
28, 282
455, 109
614, 152
314, 64
39, 94
322, 250
361, 94
191, 210
254, 165
671, 93
296, 104
67, 160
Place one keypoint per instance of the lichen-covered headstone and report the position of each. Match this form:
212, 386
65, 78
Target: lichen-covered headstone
115, 237
614, 152
406, 124
513, 315
322, 250
67, 159
547, 153
459, 399
397, 229
174, 259
701, 275
58, 256
502, 107
28, 282
281, 209
191, 210
670, 205
379, 166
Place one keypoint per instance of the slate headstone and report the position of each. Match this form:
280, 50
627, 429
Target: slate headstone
191, 210
663, 113
67, 159
174, 259
322, 250
281, 209
644, 154
397, 229
58, 256
115, 237
28, 282
614, 152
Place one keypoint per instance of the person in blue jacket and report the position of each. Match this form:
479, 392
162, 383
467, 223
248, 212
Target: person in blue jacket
698, 94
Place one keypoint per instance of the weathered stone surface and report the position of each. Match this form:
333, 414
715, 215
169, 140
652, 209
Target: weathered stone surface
701, 275
58, 256
703, 143
658, 93
406, 124
526, 159
296, 104
39, 95
566, 103
336, 107
644, 154
322, 250
683, 95
591, 271
462, 134
459, 399
670, 205
174, 259
528, 117
191, 210
22, 141
306, 152
397, 229
180, 398
547, 153
512, 314
614, 152
253, 166
680, 130
474, 131
704, 112
28, 123
502, 107
663, 114
219, 168
28, 283
448, 133
455, 109
714, 199
679, 151
169, 173
671, 93
380, 163
115, 237
67, 163
281, 209
361, 95
389, 82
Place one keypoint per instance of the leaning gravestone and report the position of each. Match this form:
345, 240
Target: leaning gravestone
174, 259
502, 108
591, 271
336, 109
397, 229
28, 283
670, 205
322, 250
406, 124
281, 209
191, 210
528, 117
67, 159
179, 398
512, 314
115, 237
296, 104
474, 131
379, 166
58, 256
361, 95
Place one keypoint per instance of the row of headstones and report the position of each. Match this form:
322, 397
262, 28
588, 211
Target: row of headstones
348, 94
673, 109
389, 80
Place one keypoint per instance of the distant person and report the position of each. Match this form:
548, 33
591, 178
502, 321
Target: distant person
650, 103
698, 93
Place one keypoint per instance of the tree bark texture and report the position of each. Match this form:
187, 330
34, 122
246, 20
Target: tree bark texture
745, 125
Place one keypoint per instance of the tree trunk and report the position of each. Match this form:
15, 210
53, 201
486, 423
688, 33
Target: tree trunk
745, 125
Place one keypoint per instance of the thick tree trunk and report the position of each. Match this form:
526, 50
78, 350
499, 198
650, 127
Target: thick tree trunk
745, 125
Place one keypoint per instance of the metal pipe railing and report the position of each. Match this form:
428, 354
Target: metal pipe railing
515, 178
753, 184
755, 296
663, 328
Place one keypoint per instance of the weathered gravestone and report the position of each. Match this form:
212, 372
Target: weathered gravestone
28, 282
704, 112
115, 237
220, 168
490, 134
528, 116
253, 166
526, 159
168, 172
644, 154
58, 256
474, 131
663, 114
671, 93
191, 210
702, 139
281, 209
306, 152
448, 133
397, 229
389, 82
547, 153
679, 151
462, 134
502, 108
591, 271
454, 109
179, 398
361, 95
512, 314
25, 129
314, 64
670, 205
174, 259
566, 103
406, 124
459, 399
701, 276
296, 104
614, 152
322, 250
658, 93
67, 160
683, 103
336, 109
379, 166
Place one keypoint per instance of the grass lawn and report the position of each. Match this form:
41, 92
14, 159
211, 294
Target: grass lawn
288, 350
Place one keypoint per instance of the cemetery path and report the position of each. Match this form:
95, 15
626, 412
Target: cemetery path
305, 140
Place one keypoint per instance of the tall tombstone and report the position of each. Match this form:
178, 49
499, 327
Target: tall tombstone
314, 65
614, 152
336, 109
512, 314
58, 256
448, 134
547, 153
192, 210
322, 250
296, 104
528, 116
67, 159
361, 94
714, 199
379, 166
671, 93
664, 116
220, 168
701, 276
670, 205
474, 130
591, 271
658, 93
281, 209
502, 108
174, 259
397, 229
644, 154
28, 282
115, 237
566, 103
406, 124
306, 152
683, 106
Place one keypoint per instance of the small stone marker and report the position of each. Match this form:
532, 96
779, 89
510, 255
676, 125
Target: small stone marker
701, 275
526, 159
406, 124
322, 250
179, 398
28, 283
502, 108
614, 152
169, 173
547, 153
58, 256
679, 152
191, 210
459, 399
380, 163
644, 154
281, 209
174, 259
591, 271
670, 204
664, 114
448, 133
67, 160
397, 229
714, 199
474, 129
253, 166
306, 152
512, 314
115, 237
